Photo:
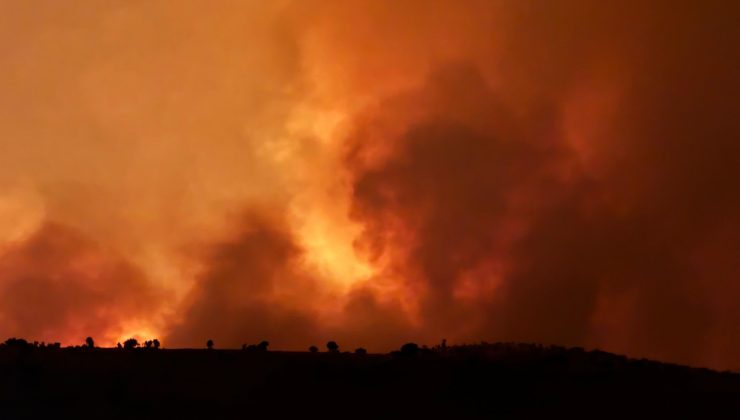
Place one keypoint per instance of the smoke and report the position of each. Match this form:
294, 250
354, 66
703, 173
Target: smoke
526, 212
557, 187
141, 127
251, 288
60, 285
376, 172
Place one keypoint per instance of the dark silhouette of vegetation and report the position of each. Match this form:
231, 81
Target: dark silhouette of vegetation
499, 380
131, 344
151, 344
90, 343
18, 343
261, 347
209, 344
410, 349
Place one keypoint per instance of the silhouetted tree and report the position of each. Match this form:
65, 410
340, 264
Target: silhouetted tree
262, 346
16, 342
360, 350
148, 344
131, 344
332, 346
313, 349
90, 342
119, 345
156, 344
409, 349
209, 344
19, 344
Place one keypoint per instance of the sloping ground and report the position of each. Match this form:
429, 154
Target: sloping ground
484, 381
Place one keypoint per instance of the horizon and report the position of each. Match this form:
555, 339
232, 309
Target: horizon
418, 349
441, 347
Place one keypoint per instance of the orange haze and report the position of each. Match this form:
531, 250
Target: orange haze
373, 172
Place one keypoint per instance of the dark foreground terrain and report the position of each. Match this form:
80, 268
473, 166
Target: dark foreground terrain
484, 381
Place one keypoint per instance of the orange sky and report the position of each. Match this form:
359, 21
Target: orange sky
372, 172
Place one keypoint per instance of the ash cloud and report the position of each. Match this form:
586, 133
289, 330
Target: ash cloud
59, 285
256, 286
506, 226
252, 288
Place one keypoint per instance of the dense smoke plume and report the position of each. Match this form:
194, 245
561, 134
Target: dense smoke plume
374, 172
242, 292
59, 285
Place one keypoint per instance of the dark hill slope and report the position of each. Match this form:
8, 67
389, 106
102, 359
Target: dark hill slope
482, 381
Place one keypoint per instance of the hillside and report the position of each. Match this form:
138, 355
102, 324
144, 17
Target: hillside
481, 381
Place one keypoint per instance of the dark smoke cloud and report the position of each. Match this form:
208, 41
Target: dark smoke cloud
367, 320
60, 285
459, 181
605, 246
255, 286
252, 288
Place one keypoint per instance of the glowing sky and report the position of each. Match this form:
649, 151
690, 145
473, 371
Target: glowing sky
373, 172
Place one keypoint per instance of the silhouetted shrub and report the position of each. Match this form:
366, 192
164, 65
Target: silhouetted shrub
119, 345
17, 343
313, 349
410, 349
90, 343
156, 344
209, 344
262, 347
131, 344
360, 350
332, 346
